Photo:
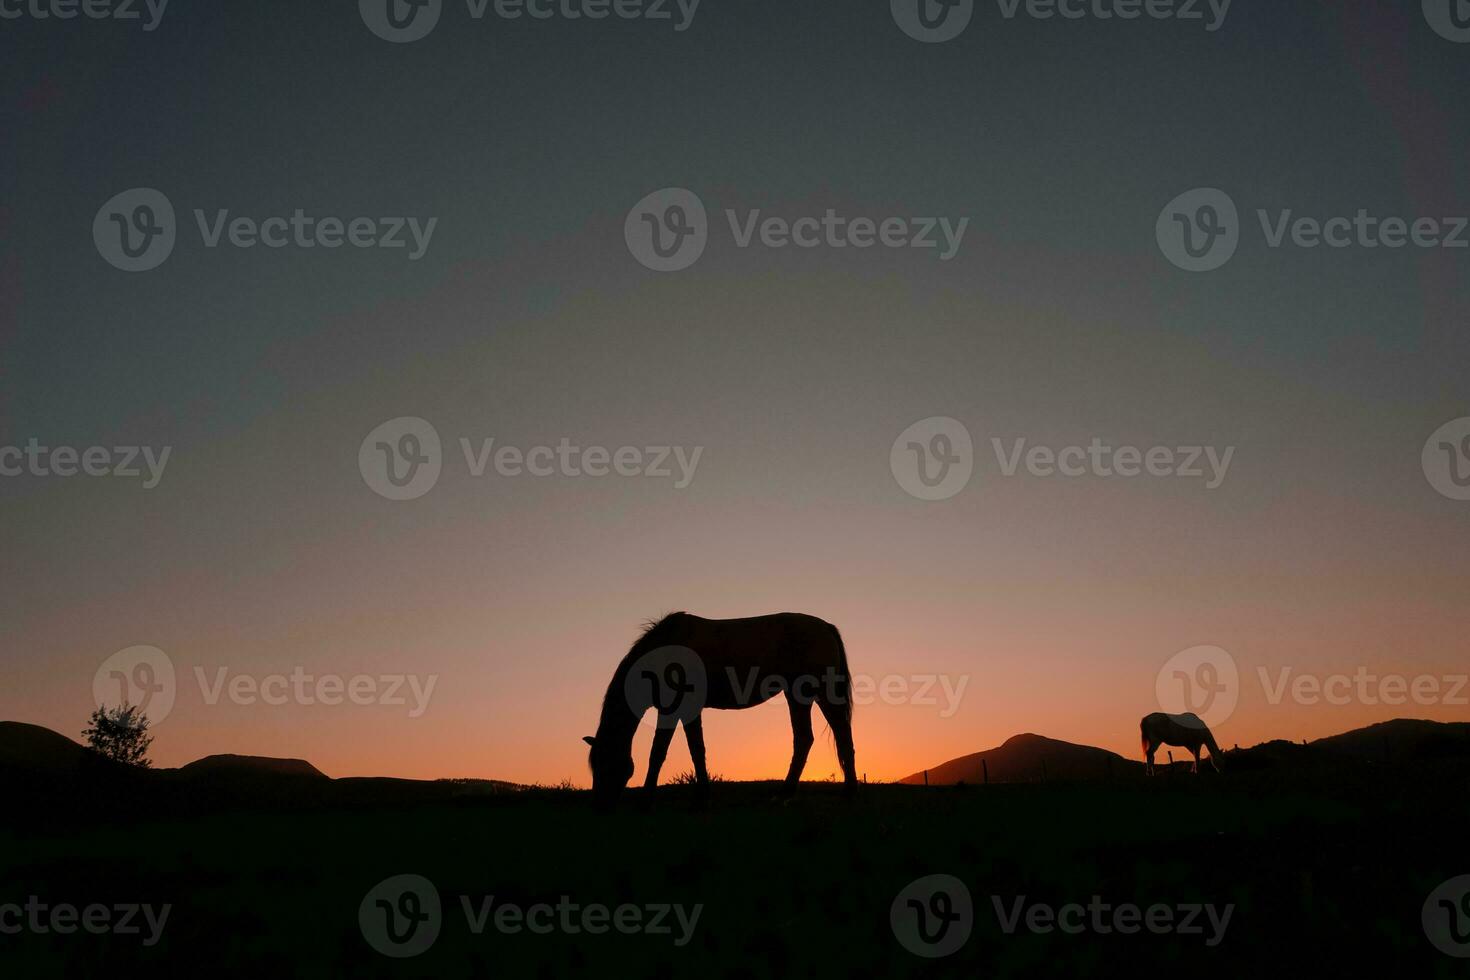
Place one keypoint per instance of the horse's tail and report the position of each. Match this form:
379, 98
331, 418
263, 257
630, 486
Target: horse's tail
844, 685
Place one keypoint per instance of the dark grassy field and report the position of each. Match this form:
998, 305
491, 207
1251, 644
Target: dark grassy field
1326, 874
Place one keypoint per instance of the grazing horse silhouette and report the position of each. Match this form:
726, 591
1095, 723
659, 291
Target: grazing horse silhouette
1187, 730
726, 664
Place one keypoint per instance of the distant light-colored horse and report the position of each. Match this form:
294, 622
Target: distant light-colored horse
1187, 730
726, 664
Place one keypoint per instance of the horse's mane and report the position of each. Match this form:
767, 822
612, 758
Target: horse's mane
655, 633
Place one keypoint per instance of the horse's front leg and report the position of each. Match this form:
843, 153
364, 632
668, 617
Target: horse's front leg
662, 735
694, 735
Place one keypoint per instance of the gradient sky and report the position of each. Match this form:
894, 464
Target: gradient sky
528, 321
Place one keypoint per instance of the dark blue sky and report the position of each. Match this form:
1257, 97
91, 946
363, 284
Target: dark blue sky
527, 318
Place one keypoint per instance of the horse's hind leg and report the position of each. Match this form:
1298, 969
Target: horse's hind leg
801, 737
1149, 748
841, 724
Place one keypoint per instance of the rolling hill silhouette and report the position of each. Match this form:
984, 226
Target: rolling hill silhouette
1398, 738
32, 748
48, 764
48, 768
1027, 758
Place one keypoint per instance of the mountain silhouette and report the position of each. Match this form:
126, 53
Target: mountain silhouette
40, 751
1028, 758
226, 766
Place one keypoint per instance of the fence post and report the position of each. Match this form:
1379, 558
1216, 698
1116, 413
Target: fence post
926, 777
985, 768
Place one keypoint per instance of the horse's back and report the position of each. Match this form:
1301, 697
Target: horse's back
780, 619
783, 630
740, 654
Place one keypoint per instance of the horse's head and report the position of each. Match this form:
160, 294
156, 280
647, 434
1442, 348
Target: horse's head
612, 767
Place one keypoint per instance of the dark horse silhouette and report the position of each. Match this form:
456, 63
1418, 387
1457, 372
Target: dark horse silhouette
1187, 730
683, 664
